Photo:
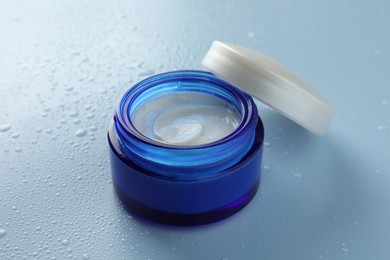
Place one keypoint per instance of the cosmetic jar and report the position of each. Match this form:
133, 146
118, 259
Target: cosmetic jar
180, 183
186, 146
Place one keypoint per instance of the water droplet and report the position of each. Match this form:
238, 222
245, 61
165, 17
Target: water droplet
38, 130
382, 127
93, 128
85, 256
344, 248
298, 175
251, 34
266, 167
18, 149
4, 128
65, 242
74, 113
15, 135
3, 232
146, 73
81, 132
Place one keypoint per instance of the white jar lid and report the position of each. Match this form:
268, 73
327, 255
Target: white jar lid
271, 83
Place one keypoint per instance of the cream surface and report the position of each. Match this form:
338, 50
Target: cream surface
186, 118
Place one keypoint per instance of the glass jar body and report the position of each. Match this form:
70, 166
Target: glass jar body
185, 185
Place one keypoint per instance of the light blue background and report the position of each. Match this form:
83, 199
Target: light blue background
64, 64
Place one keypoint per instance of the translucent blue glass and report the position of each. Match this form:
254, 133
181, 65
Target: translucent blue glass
185, 185
185, 162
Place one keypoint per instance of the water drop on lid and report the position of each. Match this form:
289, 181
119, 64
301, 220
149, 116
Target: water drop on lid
65, 242
85, 256
18, 149
3, 232
81, 132
4, 128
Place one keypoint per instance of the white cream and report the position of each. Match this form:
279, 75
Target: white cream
186, 118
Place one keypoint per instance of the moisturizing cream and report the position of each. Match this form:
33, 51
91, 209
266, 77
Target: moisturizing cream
186, 118
186, 148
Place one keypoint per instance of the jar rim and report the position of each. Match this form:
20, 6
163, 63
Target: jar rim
247, 106
186, 162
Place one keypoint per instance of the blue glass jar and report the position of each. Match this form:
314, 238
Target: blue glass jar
185, 184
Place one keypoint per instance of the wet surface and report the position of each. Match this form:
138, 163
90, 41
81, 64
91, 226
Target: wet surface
64, 65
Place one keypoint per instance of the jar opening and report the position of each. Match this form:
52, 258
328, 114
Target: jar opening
179, 116
144, 127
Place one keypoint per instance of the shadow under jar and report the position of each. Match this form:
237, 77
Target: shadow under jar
186, 148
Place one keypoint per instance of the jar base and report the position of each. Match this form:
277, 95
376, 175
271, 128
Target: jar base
174, 219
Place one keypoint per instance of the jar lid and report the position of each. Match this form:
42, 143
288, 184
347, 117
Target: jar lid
271, 83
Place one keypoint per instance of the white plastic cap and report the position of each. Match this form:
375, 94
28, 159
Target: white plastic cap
271, 83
